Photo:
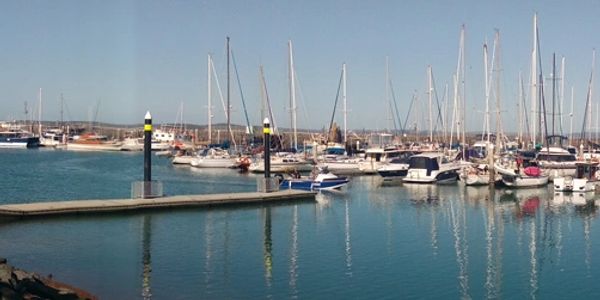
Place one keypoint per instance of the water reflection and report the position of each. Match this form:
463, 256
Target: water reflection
146, 257
473, 229
348, 244
268, 246
294, 252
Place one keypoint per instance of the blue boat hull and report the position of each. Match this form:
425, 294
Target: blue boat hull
310, 185
19, 142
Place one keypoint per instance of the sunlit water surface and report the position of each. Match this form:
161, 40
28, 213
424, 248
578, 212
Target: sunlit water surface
369, 242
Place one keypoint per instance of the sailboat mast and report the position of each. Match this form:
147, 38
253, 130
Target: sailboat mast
387, 92
228, 92
534, 86
345, 103
571, 115
562, 93
520, 109
464, 92
553, 89
486, 123
430, 96
497, 69
209, 89
292, 96
62, 104
40, 114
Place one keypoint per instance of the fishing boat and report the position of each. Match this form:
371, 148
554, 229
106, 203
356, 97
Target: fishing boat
431, 167
17, 138
585, 180
320, 180
93, 142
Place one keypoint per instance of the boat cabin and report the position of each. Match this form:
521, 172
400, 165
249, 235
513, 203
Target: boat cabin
586, 170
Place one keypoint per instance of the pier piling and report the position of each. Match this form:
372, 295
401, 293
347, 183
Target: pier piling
147, 155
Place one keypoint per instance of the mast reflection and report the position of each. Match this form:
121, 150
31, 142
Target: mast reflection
268, 247
294, 252
146, 257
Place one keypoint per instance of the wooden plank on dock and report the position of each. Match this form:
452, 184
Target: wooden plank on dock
117, 205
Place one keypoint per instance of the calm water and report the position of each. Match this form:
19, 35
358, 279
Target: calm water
371, 242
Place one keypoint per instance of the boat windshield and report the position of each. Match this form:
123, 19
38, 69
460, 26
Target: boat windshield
419, 162
555, 158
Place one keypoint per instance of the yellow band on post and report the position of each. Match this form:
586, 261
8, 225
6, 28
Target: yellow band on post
267, 130
147, 127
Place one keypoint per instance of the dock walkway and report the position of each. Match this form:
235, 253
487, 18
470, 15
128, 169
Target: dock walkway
120, 205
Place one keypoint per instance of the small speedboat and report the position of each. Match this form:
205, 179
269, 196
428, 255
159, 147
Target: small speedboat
324, 180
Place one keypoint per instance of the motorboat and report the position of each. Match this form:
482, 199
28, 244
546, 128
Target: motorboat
432, 167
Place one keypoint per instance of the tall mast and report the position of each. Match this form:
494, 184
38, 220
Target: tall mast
210, 115
387, 92
430, 96
292, 96
486, 123
520, 108
345, 103
562, 92
534, 92
228, 93
464, 92
553, 89
571, 115
40, 115
497, 69
62, 104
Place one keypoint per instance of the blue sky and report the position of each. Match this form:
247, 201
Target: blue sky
126, 57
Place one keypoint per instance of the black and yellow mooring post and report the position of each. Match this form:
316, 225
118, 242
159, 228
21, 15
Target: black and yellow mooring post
147, 154
267, 138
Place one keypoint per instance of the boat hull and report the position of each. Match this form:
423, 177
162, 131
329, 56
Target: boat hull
312, 185
524, 181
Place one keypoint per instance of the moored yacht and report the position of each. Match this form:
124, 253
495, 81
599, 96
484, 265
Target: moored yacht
14, 138
431, 167
586, 179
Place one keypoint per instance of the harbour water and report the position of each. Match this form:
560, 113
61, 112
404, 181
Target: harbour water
369, 242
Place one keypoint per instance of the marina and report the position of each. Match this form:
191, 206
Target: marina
299, 150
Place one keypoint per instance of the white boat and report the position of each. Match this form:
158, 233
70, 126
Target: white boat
133, 144
214, 158
183, 157
431, 167
555, 160
397, 168
282, 164
514, 176
93, 142
376, 158
585, 180
342, 166
53, 137
477, 174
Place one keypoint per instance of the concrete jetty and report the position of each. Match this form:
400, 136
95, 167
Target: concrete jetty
121, 205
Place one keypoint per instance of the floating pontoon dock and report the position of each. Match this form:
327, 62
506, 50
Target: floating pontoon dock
121, 205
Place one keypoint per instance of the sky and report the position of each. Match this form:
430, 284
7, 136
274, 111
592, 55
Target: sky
114, 60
